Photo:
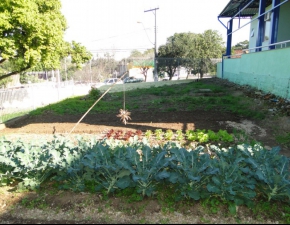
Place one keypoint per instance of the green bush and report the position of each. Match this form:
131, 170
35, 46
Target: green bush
94, 94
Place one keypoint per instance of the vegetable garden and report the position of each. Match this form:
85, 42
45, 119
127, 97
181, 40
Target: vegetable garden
200, 166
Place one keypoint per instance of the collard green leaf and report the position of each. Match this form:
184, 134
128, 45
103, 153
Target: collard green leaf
174, 177
123, 173
123, 182
194, 194
216, 180
213, 188
162, 175
192, 178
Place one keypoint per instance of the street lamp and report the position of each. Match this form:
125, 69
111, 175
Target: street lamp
155, 51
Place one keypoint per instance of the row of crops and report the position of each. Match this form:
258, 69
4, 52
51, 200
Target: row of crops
238, 174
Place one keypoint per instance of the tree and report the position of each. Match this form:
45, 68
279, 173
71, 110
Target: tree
97, 69
242, 45
144, 65
178, 51
169, 56
193, 51
135, 53
183, 46
79, 54
144, 61
31, 34
207, 46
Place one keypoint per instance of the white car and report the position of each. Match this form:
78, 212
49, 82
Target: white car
113, 80
174, 77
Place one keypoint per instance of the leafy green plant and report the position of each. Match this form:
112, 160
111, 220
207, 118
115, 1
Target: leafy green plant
212, 136
168, 134
270, 169
191, 135
158, 134
237, 175
130, 194
232, 182
225, 136
107, 167
202, 136
179, 135
94, 93
189, 172
212, 204
148, 134
149, 166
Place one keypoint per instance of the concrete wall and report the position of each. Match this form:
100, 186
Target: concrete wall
16, 100
268, 71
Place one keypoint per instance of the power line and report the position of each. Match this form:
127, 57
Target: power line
116, 36
116, 50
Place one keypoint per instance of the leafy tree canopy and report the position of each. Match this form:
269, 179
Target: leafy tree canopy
144, 61
193, 51
242, 45
31, 33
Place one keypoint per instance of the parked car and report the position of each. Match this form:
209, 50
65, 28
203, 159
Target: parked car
174, 77
113, 80
132, 80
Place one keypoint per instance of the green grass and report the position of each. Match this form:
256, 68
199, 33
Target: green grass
6, 117
157, 95
284, 139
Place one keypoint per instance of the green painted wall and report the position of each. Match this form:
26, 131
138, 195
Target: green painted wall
268, 71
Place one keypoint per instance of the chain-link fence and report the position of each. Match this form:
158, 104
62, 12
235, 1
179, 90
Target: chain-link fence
192, 66
18, 101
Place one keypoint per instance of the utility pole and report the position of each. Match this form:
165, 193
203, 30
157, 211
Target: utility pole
65, 69
155, 51
91, 71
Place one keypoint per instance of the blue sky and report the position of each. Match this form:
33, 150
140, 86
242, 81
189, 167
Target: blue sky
111, 25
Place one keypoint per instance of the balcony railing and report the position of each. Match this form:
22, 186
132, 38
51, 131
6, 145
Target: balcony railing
277, 45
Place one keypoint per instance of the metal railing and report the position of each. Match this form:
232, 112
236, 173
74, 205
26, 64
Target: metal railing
283, 44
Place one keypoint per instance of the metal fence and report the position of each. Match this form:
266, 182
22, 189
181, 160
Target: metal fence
20, 100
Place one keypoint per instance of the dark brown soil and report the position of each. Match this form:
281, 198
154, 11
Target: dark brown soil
264, 131
96, 124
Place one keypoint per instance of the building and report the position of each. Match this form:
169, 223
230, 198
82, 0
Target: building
266, 64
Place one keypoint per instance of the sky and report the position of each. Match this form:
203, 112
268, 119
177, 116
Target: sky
120, 26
